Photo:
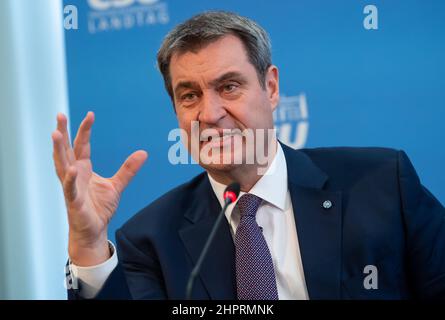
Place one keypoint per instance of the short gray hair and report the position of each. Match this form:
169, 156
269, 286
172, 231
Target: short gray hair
207, 27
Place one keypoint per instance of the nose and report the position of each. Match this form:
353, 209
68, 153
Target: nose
212, 108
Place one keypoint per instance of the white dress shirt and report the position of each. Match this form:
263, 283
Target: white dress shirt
275, 215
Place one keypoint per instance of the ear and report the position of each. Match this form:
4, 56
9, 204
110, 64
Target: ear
272, 86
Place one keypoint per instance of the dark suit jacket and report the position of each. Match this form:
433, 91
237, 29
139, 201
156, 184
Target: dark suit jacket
381, 215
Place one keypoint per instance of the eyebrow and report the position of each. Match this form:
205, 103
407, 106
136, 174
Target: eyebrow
226, 76
229, 75
185, 85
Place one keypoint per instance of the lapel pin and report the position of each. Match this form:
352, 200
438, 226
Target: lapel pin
327, 204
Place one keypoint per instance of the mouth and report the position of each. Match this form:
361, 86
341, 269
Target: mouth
218, 140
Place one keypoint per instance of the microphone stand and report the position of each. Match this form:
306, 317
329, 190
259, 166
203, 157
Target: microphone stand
197, 267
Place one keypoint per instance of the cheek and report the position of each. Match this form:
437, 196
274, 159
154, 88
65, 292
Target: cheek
184, 120
260, 105
185, 124
259, 114
185, 128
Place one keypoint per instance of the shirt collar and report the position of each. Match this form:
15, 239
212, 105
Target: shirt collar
271, 187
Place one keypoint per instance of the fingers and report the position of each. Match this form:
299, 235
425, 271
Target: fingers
59, 154
128, 170
69, 184
82, 146
62, 128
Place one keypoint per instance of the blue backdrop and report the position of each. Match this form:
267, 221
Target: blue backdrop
342, 85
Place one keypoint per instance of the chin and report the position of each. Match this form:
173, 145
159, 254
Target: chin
219, 167
218, 162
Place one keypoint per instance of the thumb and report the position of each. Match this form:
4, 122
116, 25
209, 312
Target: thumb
128, 170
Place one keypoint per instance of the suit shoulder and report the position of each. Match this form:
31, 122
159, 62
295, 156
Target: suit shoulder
165, 210
352, 155
350, 164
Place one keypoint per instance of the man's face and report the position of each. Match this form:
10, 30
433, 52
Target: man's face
219, 87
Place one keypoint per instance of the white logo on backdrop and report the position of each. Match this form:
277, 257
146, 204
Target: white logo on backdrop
107, 4
114, 15
291, 120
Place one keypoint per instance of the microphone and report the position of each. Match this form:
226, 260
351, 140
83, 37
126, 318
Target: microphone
230, 195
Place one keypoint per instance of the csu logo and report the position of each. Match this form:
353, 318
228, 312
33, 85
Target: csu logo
117, 15
291, 120
108, 4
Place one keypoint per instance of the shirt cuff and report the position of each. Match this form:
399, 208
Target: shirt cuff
91, 279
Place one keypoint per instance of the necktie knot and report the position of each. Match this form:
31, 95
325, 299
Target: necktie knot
248, 204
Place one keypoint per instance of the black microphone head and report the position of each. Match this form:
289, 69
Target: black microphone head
234, 187
232, 192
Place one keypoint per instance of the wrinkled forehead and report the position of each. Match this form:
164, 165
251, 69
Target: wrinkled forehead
226, 54
195, 44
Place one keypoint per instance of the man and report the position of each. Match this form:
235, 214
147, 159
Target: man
330, 223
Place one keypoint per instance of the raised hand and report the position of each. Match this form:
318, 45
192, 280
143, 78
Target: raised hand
91, 200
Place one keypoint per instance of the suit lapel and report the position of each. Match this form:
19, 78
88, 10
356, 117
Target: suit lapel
319, 229
217, 273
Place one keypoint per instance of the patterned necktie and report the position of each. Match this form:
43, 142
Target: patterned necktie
255, 276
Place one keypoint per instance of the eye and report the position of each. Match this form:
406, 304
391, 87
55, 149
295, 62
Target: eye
229, 88
188, 97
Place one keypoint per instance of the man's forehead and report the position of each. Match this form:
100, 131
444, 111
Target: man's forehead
222, 48
211, 61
